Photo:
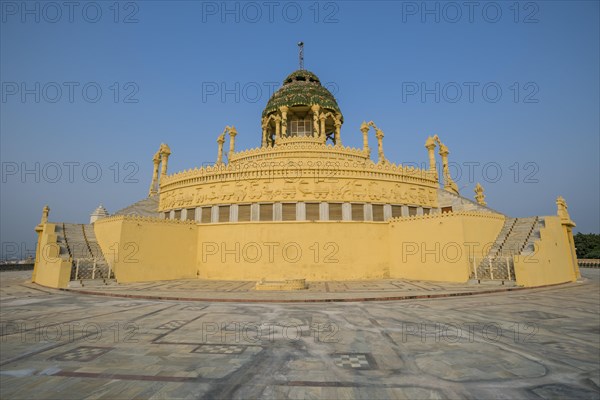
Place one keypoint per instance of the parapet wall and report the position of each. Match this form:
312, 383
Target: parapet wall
50, 268
440, 247
552, 261
148, 249
434, 247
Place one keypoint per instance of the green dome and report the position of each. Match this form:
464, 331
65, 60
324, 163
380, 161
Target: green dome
301, 87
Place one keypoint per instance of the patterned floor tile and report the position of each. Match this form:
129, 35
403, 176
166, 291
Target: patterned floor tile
172, 324
82, 354
354, 360
219, 349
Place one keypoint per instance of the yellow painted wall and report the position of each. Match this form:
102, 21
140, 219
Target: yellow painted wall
436, 247
324, 250
50, 269
431, 247
145, 249
552, 260
439, 247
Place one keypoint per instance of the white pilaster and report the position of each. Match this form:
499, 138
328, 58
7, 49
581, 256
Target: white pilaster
214, 214
346, 212
277, 212
387, 211
254, 212
404, 211
368, 210
324, 211
301, 211
233, 213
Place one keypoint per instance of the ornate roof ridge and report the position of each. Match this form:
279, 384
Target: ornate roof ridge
366, 166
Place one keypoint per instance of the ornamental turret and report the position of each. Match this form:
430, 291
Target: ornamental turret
301, 108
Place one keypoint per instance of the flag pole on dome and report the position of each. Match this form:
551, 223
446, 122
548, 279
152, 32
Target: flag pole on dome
301, 54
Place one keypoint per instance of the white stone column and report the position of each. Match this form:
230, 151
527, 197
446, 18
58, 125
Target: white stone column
368, 209
346, 212
277, 211
183, 214
387, 211
172, 214
254, 212
214, 214
419, 210
233, 213
300, 211
198, 216
324, 211
404, 211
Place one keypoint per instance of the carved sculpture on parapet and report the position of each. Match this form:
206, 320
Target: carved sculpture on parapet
449, 184
45, 213
161, 156
364, 128
563, 213
479, 196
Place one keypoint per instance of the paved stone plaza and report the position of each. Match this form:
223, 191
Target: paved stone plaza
533, 343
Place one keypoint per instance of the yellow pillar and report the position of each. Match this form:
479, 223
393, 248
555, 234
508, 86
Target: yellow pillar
283, 110
338, 127
445, 169
364, 128
220, 141
277, 128
430, 146
315, 110
232, 135
379, 136
322, 128
264, 133
155, 162
165, 152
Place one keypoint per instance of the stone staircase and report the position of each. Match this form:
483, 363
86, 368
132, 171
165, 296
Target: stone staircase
78, 243
516, 237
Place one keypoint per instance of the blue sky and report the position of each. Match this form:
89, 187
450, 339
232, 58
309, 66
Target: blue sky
511, 88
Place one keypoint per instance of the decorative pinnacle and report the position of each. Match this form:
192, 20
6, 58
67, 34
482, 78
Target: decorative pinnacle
301, 54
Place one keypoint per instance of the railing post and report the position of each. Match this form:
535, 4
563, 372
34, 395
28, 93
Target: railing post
508, 269
94, 269
475, 267
77, 269
491, 269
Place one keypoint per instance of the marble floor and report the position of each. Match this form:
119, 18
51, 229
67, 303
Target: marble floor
528, 344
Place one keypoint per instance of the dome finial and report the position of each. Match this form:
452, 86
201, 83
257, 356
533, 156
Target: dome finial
301, 54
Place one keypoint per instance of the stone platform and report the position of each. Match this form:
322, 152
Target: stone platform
527, 344
331, 291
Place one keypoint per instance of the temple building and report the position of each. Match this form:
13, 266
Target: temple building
302, 206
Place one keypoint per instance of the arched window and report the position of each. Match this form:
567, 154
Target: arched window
301, 127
